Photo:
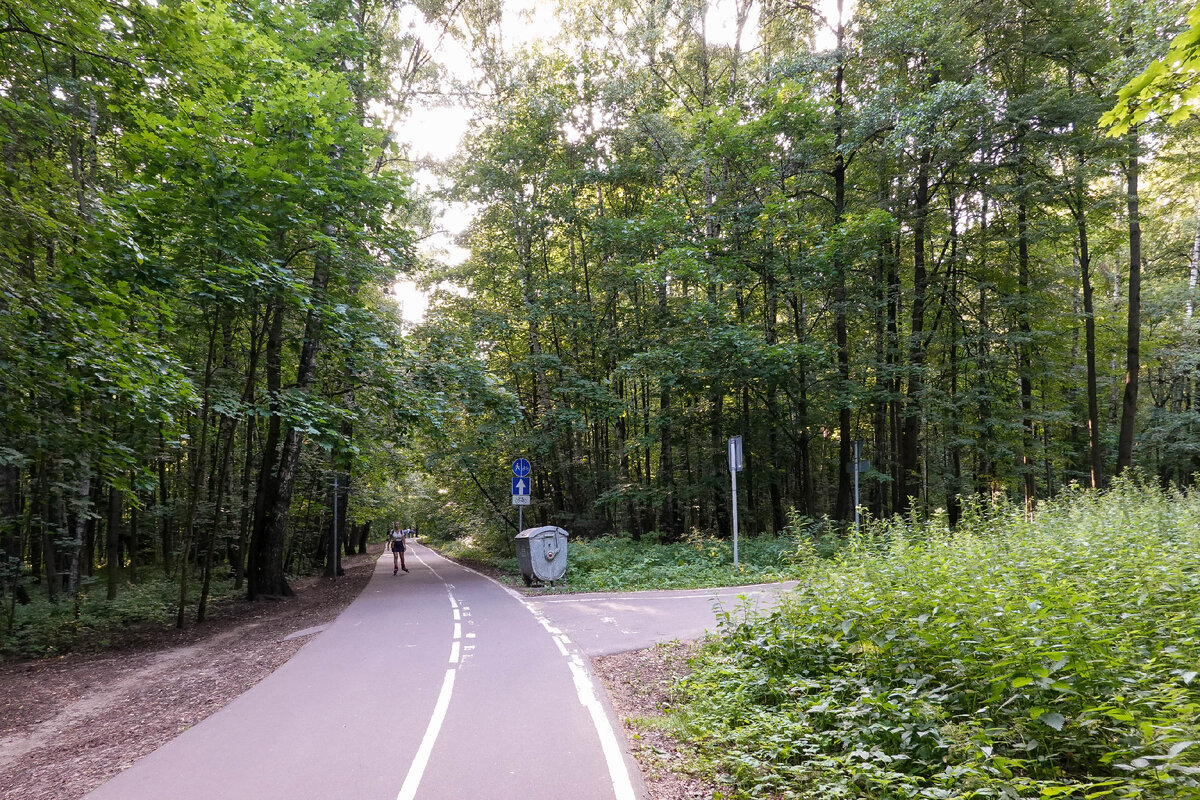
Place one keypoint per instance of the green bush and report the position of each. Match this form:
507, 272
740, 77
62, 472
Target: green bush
42, 628
1011, 658
618, 563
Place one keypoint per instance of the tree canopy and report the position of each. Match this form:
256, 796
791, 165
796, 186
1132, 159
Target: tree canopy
896, 224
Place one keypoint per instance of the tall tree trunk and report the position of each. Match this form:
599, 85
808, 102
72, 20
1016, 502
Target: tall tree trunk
843, 506
81, 506
910, 430
774, 474
1095, 460
199, 459
267, 572
1194, 267
719, 460
134, 536
165, 533
1025, 346
895, 404
10, 513
226, 431
671, 525
803, 444
113, 540
1133, 331
954, 447
49, 525
265, 559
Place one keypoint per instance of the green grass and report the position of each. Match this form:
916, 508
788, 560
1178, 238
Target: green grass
42, 629
1009, 659
618, 563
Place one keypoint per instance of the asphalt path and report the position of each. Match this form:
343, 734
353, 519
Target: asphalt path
603, 624
436, 684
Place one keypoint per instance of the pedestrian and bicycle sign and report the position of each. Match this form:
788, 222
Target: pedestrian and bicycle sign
521, 482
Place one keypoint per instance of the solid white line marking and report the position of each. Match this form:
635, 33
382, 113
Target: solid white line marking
719, 593
617, 770
409, 790
458, 630
454, 647
427, 566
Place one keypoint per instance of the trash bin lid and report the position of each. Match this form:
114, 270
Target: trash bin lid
538, 533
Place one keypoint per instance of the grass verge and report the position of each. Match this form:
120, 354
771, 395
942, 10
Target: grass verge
618, 563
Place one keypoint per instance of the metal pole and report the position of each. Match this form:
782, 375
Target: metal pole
733, 479
857, 456
333, 555
520, 518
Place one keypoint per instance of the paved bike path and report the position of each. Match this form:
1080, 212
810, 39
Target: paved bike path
350, 714
439, 684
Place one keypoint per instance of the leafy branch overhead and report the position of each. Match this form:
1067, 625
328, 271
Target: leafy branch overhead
1168, 88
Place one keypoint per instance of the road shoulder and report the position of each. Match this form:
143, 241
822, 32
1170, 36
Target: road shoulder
640, 688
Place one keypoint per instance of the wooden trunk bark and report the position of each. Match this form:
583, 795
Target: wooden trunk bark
1133, 330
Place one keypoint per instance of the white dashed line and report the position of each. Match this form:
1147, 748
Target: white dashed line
618, 772
412, 781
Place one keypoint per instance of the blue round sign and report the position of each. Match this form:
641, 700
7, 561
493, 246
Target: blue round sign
521, 467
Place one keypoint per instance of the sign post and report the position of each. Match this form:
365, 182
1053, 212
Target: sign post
735, 466
857, 456
856, 467
520, 489
335, 556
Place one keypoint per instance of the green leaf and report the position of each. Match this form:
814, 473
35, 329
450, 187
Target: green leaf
1053, 719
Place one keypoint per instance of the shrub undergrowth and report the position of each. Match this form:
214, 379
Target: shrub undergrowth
1010, 658
42, 628
618, 563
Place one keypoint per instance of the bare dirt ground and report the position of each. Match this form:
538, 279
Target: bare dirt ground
639, 686
69, 724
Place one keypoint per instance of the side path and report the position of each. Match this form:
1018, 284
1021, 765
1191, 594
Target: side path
435, 684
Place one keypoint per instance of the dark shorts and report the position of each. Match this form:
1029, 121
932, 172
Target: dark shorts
397, 545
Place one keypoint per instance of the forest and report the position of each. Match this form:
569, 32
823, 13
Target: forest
965, 235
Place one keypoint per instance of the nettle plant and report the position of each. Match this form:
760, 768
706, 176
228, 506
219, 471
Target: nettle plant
1009, 658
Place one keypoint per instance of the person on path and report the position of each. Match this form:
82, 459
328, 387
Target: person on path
397, 542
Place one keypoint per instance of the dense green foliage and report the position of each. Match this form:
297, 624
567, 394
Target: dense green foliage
619, 564
41, 628
900, 224
201, 219
1169, 87
1009, 658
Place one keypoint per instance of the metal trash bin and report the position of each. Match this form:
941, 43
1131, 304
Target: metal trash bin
542, 554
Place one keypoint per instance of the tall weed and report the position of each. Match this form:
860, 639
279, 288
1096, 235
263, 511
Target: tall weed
615, 563
1009, 658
